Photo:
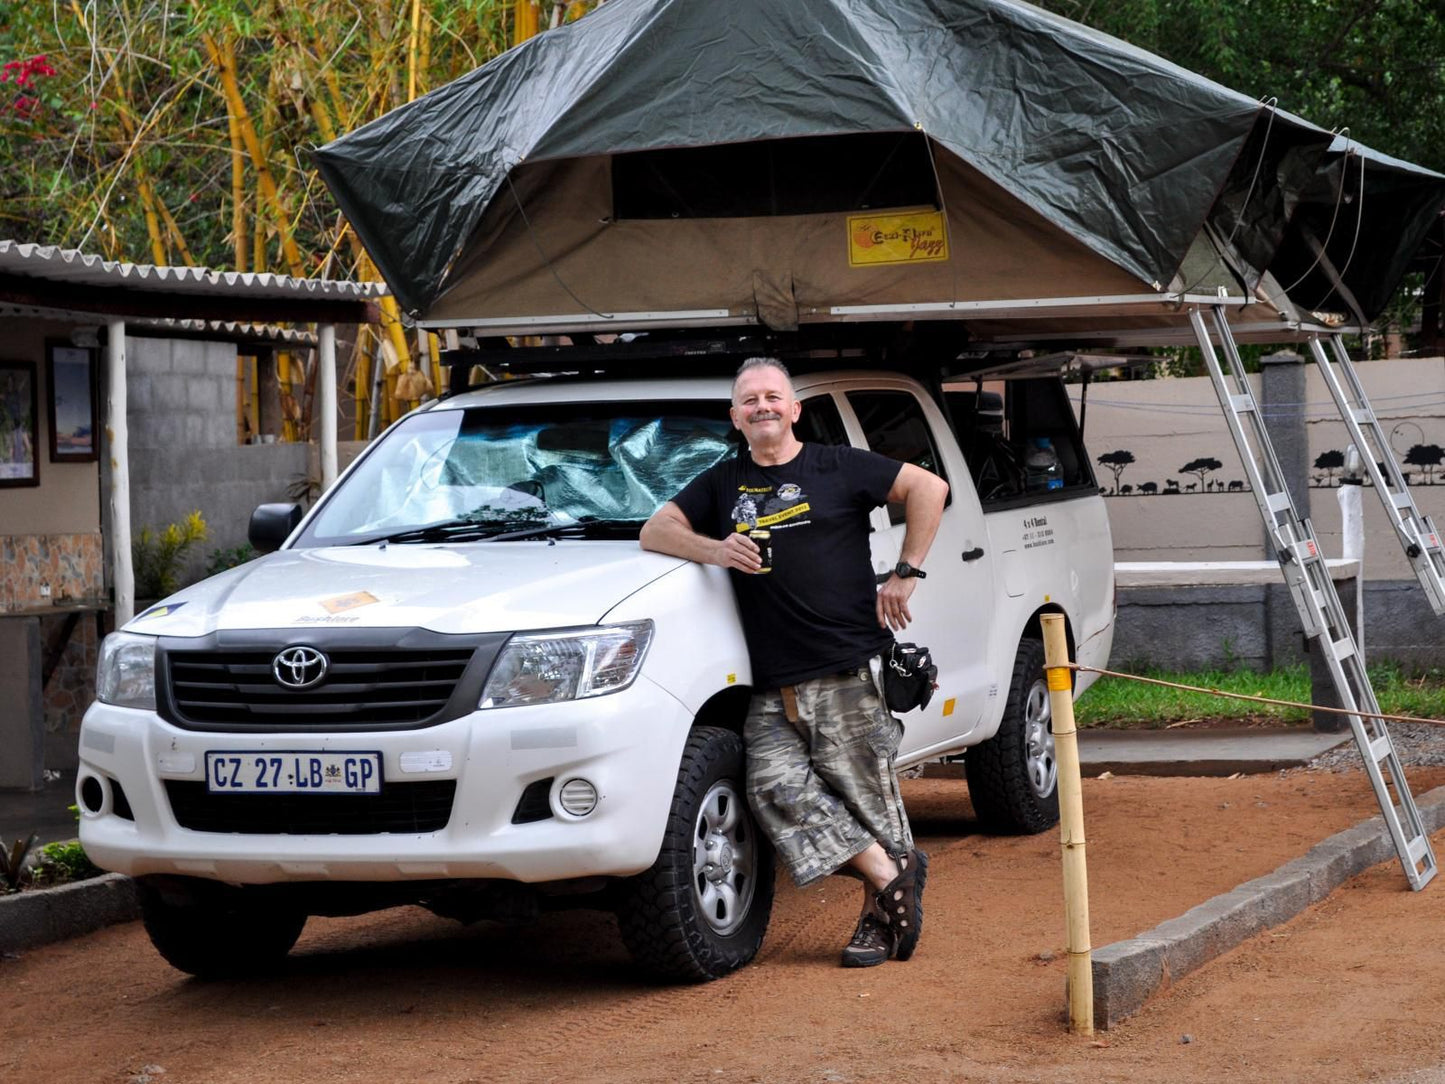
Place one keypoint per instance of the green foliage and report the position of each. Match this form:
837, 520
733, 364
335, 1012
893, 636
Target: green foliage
157, 559
61, 863
222, 559
12, 863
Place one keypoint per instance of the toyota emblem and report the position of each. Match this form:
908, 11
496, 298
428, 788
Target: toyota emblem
299, 667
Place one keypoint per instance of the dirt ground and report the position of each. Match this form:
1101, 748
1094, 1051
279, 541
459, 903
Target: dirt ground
1350, 990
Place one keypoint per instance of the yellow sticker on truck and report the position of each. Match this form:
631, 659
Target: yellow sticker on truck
914, 237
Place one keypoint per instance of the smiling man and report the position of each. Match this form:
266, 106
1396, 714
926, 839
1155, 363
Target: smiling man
821, 742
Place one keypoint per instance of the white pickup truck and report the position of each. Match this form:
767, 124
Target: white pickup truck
460, 682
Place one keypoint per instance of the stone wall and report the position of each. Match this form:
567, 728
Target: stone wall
40, 570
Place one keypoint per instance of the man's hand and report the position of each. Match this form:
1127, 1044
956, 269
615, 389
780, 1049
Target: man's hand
893, 599
738, 551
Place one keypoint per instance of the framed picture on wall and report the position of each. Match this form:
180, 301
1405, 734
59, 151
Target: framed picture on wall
19, 463
70, 375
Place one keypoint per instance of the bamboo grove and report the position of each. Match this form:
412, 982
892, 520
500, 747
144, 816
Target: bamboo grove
162, 131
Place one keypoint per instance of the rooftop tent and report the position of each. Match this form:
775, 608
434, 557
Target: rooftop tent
764, 161
1360, 220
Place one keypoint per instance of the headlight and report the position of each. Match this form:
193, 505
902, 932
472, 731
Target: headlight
126, 673
568, 664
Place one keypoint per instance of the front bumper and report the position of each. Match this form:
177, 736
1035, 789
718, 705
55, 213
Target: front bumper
628, 745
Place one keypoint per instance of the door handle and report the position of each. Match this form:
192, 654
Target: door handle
973, 554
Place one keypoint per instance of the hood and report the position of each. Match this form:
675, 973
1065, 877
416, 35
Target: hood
498, 587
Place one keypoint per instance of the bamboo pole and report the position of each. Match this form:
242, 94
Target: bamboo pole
1071, 825
238, 191
118, 448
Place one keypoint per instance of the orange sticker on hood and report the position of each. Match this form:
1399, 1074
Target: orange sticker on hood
348, 602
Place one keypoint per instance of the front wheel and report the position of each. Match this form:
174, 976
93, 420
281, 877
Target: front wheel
701, 910
212, 931
1013, 778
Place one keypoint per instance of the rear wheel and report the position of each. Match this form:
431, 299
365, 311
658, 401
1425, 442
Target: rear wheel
212, 931
701, 911
1013, 778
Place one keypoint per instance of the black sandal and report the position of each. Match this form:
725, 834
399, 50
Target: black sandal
872, 943
901, 902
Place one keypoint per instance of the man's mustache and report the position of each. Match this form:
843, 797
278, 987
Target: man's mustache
765, 416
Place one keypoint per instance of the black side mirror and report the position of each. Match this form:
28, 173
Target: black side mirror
271, 525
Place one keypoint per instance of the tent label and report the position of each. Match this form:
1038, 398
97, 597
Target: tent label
917, 237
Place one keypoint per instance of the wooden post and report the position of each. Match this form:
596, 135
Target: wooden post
326, 401
1071, 825
118, 448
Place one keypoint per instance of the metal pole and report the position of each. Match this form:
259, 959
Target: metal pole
1071, 825
326, 402
118, 438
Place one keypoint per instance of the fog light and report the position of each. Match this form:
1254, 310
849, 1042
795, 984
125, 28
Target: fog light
577, 797
92, 794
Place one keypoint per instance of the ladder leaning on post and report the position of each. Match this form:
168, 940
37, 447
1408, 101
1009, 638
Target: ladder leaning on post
1313, 591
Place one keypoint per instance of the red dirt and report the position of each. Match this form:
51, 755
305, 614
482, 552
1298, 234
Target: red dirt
1347, 991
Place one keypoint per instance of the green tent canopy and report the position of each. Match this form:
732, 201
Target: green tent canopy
683, 161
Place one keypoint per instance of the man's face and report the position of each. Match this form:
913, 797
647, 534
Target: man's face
763, 405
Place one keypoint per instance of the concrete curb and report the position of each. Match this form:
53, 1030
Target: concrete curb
1127, 973
38, 917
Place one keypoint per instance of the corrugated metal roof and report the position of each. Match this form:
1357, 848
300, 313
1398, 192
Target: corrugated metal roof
67, 265
224, 330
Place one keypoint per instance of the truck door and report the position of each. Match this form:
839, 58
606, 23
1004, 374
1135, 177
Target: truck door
953, 609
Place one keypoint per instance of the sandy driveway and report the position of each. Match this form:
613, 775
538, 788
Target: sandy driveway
1350, 990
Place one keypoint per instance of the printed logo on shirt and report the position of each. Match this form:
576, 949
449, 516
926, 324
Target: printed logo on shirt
768, 508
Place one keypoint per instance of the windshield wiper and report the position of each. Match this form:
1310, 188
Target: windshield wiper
464, 528
581, 528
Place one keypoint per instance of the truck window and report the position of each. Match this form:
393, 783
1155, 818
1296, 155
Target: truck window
894, 425
998, 422
820, 422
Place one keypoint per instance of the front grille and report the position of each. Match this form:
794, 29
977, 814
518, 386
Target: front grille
400, 807
236, 688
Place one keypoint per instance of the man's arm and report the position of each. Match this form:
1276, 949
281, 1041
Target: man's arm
922, 493
669, 531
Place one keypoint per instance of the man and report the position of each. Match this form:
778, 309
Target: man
821, 742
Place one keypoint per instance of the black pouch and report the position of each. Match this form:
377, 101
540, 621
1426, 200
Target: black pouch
908, 677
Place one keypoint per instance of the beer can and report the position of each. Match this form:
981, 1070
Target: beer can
763, 538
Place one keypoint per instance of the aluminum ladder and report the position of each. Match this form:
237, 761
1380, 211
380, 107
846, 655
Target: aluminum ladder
1321, 613
1417, 534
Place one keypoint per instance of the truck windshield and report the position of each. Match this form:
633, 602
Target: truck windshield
493, 471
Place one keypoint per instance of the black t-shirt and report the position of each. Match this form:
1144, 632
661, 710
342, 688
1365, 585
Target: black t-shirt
815, 613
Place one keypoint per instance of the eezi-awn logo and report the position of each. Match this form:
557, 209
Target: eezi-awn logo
299, 667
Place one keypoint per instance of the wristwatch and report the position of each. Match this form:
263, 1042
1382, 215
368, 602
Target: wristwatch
903, 570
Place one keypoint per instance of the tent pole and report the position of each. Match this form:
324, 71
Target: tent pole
118, 439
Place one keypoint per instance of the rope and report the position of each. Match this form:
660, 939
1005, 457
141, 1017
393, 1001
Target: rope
1255, 699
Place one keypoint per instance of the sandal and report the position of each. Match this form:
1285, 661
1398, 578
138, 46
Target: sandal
872, 942
901, 902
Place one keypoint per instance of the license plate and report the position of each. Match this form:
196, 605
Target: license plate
292, 772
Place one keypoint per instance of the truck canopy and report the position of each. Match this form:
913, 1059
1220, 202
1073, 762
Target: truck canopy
665, 162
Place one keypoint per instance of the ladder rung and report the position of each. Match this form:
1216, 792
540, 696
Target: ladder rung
1343, 649
1380, 748
1242, 402
1278, 502
1363, 414
1401, 499
1417, 848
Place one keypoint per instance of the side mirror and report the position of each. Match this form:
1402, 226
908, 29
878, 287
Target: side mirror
271, 525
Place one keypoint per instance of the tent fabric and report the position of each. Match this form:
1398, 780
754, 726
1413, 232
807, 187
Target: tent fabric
1118, 149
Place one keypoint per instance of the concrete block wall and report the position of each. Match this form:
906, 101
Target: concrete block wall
183, 451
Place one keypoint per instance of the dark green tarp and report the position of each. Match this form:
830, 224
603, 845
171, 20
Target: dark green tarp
1126, 153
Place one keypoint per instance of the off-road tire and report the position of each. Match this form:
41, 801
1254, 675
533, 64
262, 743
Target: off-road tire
218, 933
1000, 771
660, 911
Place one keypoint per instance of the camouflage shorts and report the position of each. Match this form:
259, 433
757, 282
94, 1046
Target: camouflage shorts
825, 788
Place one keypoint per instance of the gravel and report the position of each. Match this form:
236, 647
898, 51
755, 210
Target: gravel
1416, 744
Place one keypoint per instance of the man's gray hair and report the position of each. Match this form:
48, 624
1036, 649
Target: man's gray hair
761, 363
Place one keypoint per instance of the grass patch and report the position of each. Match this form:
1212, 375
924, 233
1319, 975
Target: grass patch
1117, 702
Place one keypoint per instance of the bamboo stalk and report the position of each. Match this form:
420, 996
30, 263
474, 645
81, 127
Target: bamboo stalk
223, 58
238, 192
413, 50
1071, 825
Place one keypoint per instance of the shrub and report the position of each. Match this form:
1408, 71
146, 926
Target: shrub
61, 863
222, 559
157, 559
